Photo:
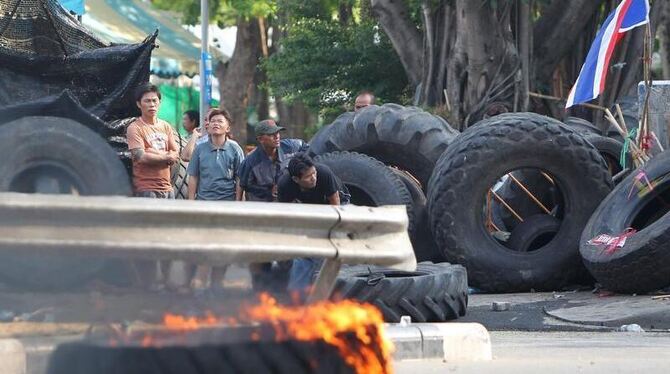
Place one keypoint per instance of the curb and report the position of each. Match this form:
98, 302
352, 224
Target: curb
12, 357
461, 342
29, 355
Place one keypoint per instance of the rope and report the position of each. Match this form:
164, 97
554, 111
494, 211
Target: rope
626, 145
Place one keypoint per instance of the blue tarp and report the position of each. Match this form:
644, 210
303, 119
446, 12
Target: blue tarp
76, 6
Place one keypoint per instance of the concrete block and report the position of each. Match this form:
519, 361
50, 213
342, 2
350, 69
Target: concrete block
453, 342
407, 340
465, 342
12, 357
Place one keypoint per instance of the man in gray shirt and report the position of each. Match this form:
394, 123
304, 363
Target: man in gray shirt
214, 167
213, 175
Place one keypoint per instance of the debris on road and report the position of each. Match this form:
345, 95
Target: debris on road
500, 306
631, 328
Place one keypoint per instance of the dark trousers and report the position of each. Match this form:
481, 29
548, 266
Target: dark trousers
152, 273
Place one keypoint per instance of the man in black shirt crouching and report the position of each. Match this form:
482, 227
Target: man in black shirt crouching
310, 183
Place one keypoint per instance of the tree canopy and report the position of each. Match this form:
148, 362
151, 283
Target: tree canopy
324, 64
466, 59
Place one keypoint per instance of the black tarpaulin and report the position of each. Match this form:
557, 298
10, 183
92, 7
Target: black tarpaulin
44, 51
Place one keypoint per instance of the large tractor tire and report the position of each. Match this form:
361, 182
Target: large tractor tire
432, 293
424, 245
458, 191
642, 261
178, 174
212, 354
610, 150
405, 137
56, 156
369, 182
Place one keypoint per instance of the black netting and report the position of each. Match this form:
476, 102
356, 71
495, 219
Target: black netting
45, 51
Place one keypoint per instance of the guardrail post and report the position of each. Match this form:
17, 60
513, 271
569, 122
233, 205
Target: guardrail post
325, 281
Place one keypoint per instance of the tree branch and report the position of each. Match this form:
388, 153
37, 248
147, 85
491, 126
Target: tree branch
558, 29
407, 40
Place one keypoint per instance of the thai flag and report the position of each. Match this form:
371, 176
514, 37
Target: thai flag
591, 81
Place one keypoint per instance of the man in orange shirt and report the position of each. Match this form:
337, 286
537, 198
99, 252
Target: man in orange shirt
153, 148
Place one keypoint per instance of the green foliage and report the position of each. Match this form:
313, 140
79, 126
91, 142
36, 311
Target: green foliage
324, 65
319, 9
222, 12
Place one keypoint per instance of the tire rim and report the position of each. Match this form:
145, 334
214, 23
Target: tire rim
555, 206
47, 177
359, 196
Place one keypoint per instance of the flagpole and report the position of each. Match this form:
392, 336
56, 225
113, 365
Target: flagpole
204, 50
643, 126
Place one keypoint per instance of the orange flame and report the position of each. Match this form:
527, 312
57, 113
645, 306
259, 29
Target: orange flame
177, 322
329, 321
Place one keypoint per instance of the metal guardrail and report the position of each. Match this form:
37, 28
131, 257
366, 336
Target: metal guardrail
214, 233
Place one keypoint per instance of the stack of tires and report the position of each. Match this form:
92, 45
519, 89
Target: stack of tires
385, 155
535, 243
507, 199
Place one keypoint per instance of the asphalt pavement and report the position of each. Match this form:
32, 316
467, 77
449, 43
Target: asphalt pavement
554, 332
560, 352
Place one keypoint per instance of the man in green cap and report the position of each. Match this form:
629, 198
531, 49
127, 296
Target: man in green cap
261, 170
259, 174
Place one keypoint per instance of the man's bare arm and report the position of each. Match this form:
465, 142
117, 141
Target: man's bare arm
192, 186
187, 151
151, 157
334, 199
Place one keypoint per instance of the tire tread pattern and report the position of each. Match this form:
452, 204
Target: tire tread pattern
435, 293
406, 137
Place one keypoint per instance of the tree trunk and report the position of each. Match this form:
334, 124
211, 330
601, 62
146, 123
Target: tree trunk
558, 30
261, 99
344, 11
664, 38
239, 75
393, 15
483, 66
525, 37
295, 117
463, 69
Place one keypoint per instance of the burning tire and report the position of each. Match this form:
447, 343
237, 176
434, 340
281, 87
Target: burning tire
55, 155
406, 137
459, 190
324, 337
638, 263
432, 293
291, 357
